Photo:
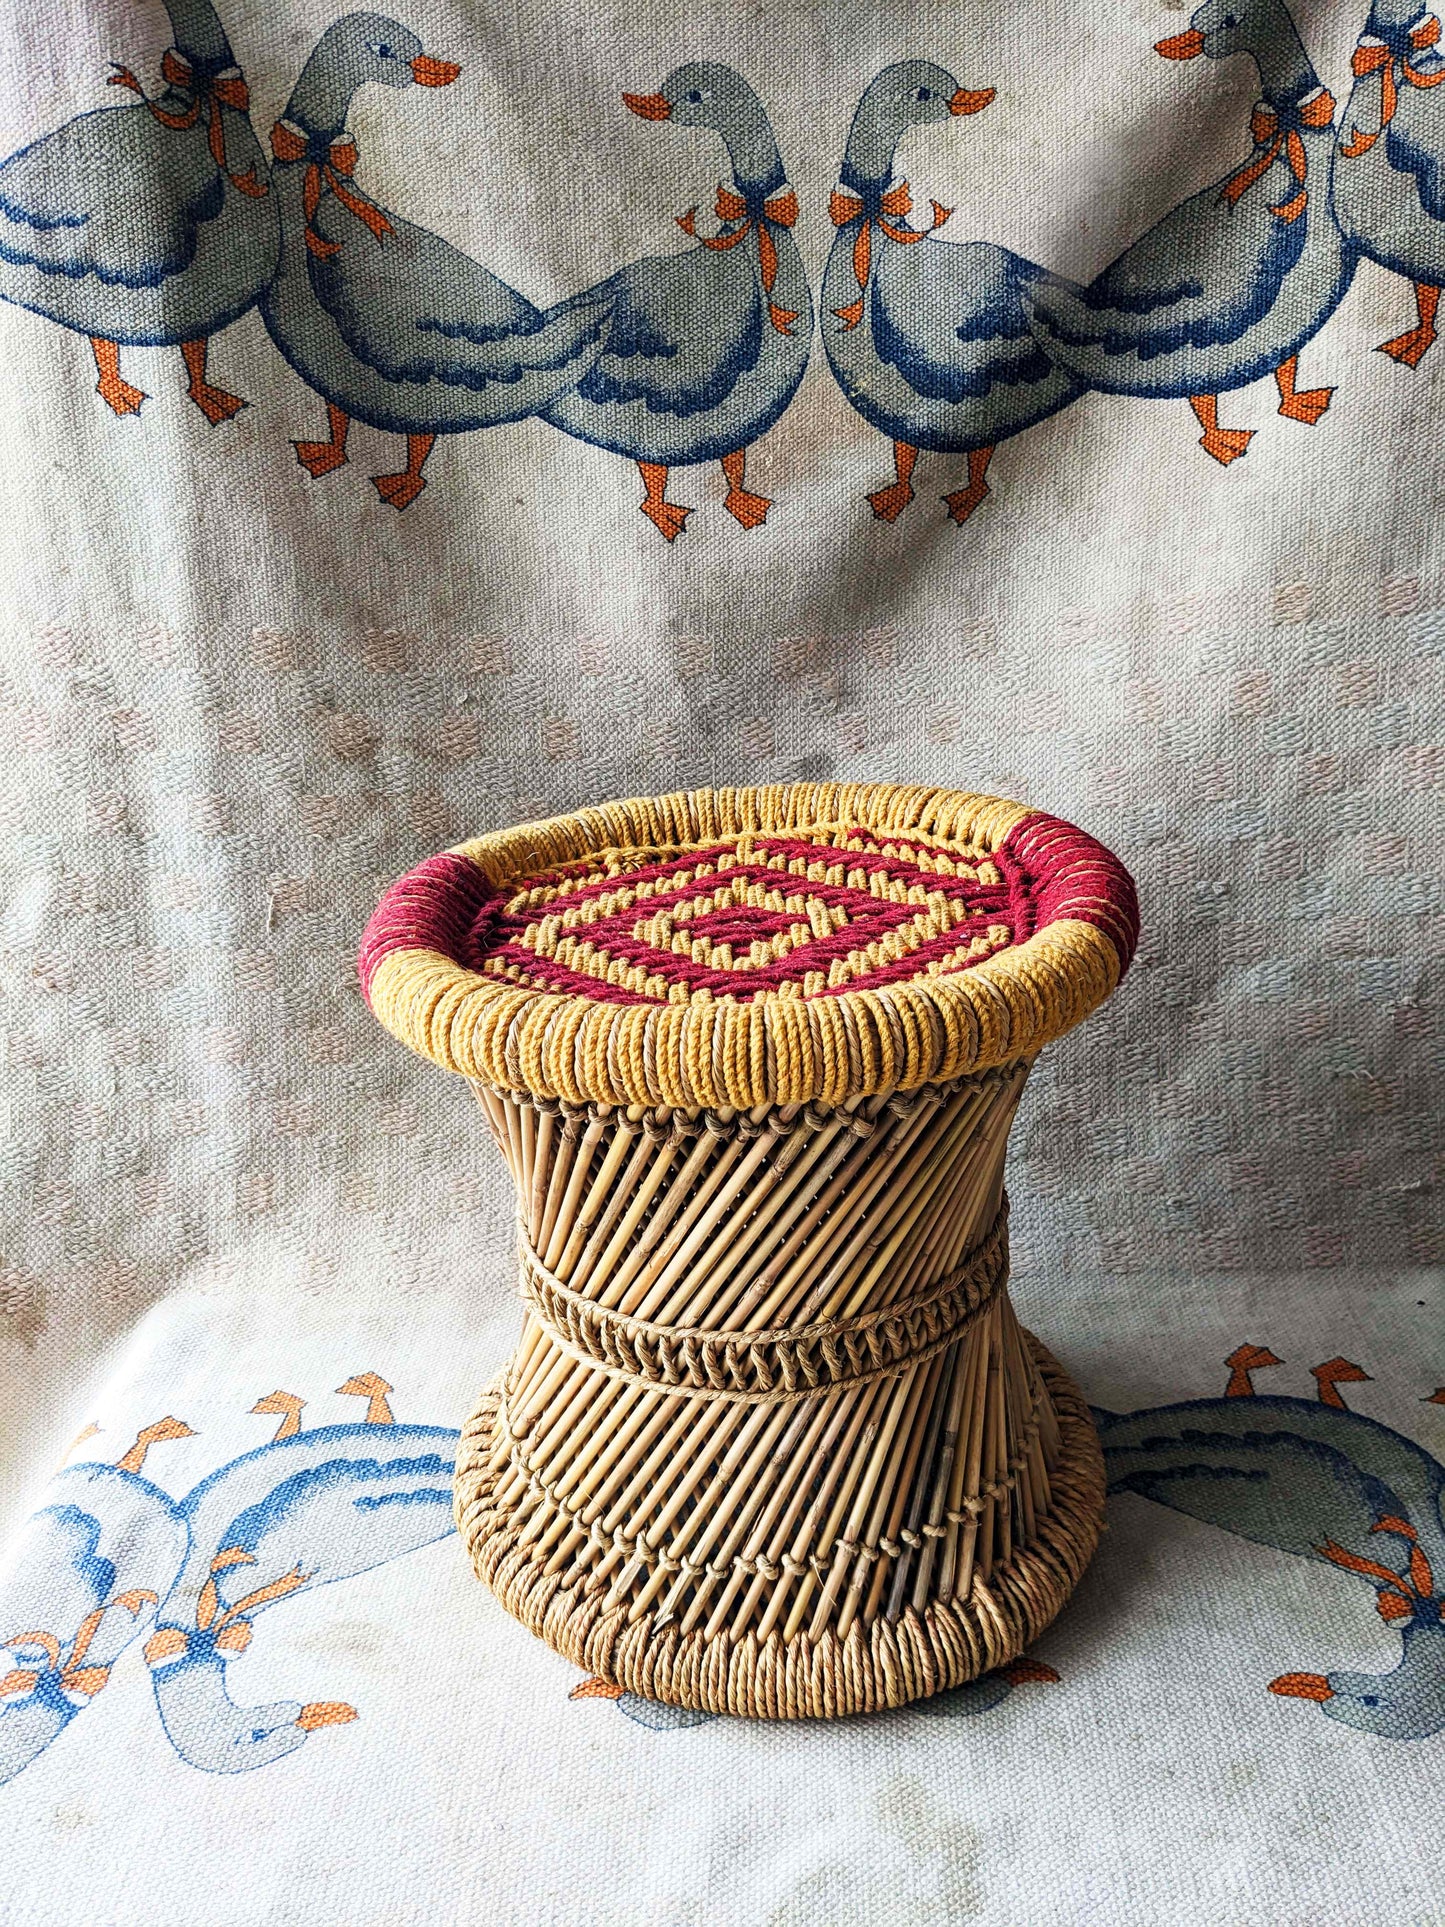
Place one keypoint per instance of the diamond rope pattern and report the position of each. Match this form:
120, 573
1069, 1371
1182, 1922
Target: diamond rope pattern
754, 915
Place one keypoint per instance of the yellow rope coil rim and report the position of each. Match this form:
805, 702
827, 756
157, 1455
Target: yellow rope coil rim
710, 1051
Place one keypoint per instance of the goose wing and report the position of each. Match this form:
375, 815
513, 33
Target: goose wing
322, 1505
416, 309
952, 319
113, 193
681, 331
1202, 277
1285, 1473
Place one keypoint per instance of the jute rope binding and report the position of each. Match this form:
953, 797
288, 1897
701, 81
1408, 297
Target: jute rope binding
769, 1367
773, 1440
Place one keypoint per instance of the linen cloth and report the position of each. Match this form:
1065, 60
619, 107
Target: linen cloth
238, 700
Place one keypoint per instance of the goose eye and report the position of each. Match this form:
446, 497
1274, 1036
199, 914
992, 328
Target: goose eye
381, 48
925, 93
696, 96
1369, 1699
1231, 20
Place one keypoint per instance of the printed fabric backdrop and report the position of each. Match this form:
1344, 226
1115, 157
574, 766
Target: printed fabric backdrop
416, 425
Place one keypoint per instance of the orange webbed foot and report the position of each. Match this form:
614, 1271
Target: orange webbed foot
889, 503
401, 490
666, 517
1409, 348
746, 507
216, 404
319, 458
1226, 445
121, 397
1306, 407
963, 501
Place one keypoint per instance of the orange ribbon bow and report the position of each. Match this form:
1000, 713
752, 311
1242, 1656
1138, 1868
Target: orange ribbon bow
209, 94
1391, 63
756, 217
889, 209
330, 165
1271, 134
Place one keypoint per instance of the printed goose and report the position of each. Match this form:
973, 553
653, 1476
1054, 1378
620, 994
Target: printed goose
1324, 1483
703, 350
1390, 167
390, 324
929, 341
1234, 282
149, 225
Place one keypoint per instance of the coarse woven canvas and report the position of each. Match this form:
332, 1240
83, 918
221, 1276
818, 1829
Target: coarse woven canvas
837, 480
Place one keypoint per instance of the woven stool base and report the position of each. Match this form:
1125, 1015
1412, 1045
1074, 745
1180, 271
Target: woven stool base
886, 1663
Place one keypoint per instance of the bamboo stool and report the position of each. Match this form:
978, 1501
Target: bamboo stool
773, 1441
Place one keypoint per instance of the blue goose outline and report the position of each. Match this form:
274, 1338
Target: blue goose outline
306, 1509
1390, 165
111, 1556
82, 1582
1234, 282
928, 339
1322, 1482
703, 351
387, 322
148, 225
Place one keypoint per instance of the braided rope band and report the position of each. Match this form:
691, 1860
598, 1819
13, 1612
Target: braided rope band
770, 1367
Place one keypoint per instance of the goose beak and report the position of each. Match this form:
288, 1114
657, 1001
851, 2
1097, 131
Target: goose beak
1181, 46
1302, 1686
970, 101
427, 72
649, 106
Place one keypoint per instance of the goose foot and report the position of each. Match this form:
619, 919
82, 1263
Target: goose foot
889, 503
1410, 348
402, 490
963, 501
746, 507
119, 396
1226, 445
743, 504
216, 404
1294, 406
1307, 407
666, 517
321, 458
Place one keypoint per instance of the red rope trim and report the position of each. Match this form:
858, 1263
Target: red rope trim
1063, 872
444, 904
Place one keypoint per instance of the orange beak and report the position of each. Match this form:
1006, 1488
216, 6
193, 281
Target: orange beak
649, 106
427, 72
969, 101
1302, 1686
1181, 46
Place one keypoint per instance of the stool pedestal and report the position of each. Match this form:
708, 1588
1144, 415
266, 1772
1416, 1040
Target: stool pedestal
773, 1441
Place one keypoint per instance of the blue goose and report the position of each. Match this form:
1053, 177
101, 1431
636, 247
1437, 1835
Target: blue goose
929, 341
1390, 167
390, 324
1233, 283
147, 225
704, 350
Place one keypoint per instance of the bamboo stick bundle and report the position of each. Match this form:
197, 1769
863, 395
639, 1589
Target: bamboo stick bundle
773, 1439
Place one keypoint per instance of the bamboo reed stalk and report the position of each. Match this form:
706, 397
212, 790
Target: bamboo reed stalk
749, 1517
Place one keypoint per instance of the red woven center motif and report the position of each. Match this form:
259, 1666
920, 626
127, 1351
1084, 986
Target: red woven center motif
783, 915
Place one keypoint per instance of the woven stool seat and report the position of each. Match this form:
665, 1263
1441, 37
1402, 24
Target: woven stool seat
773, 1441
